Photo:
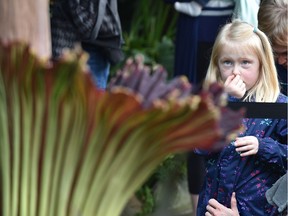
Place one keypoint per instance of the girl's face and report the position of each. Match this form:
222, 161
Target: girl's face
239, 63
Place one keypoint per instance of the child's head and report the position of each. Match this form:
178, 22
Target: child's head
273, 21
244, 51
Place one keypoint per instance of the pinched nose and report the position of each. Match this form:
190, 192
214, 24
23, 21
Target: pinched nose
236, 70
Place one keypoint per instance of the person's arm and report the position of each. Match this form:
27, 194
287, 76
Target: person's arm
247, 10
273, 152
270, 151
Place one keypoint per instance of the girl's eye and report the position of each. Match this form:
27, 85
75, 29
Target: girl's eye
227, 63
246, 63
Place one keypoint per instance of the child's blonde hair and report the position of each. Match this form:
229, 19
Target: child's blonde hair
242, 35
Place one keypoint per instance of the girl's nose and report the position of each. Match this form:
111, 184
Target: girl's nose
236, 70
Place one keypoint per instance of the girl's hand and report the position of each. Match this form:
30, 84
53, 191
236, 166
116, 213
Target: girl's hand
248, 145
235, 86
214, 208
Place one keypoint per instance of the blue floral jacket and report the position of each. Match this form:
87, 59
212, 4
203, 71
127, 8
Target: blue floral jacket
250, 177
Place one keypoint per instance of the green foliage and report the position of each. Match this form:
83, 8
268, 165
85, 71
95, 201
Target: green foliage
174, 165
151, 33
146, 196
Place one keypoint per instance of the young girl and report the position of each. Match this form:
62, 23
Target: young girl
242, 60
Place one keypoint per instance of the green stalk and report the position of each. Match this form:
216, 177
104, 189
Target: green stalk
62, 133
53, 142
25, 156
136, 179
70, 160
48, 158
96, 152
73, 149
16, 152
113, 171
101, 176
5, 165
127, 152
28, 67
90, 157
35, 151
134, 174
120, 162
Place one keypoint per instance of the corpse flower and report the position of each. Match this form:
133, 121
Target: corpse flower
70, 149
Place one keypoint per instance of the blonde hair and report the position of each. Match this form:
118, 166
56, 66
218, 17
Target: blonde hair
273, 20
242, 35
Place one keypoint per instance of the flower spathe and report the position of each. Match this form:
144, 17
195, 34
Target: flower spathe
68, 148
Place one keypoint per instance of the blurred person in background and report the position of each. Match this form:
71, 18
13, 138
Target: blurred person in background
95, 26
273, 21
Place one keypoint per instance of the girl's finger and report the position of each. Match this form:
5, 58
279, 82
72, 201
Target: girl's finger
210, 208
244, 148
251, 152
208, 214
